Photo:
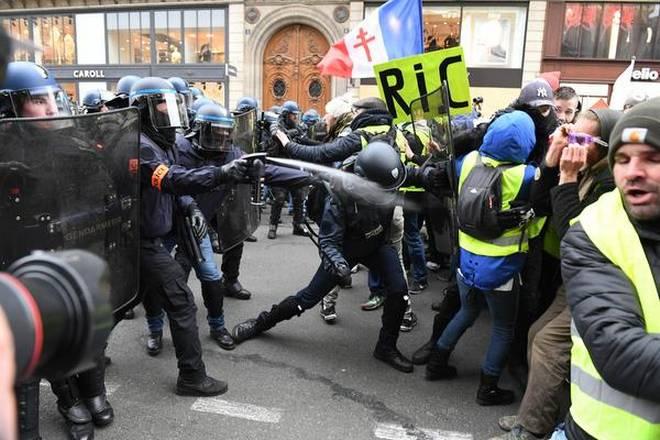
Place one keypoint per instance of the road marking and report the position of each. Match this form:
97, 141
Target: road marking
240, 410
110, 387
387, 431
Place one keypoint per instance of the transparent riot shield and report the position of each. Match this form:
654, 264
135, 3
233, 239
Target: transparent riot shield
72, 183
245, 131
237, 217
431, 112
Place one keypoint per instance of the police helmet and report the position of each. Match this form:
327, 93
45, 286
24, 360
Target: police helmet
30, 83
245, 104
157, 98
275, 109
192, 110
290, 107
213, 126
183, 88
94, 100
122, 91
311, 117
196, 93
380, 163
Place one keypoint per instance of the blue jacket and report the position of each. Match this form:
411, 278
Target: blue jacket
510, 138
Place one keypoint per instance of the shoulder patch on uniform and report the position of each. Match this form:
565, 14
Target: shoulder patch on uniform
634, 135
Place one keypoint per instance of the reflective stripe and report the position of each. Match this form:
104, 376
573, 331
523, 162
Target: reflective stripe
601, 391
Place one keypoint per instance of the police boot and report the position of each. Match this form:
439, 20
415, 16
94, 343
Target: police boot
437, 367
74, 411
298, 229
386, 351
99, 407
286, 309
272, 232
204, 387
27, 398
212, 292
421, 356
234, 289
92, 389
490, 394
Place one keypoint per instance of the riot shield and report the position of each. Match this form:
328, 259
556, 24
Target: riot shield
237, 217
245, 131
72, 183
432, 111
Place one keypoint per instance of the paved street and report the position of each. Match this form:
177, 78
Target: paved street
303, 380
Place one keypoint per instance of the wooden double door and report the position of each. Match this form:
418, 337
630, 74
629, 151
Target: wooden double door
290, 71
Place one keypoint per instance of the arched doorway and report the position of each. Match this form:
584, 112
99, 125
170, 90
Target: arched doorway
289, 68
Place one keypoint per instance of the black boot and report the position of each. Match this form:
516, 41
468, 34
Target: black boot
272, 232
298, 229
75, 413
27, 399
437, 367
213, 292
490, 394
223, 338
204, 387
155, 343
393, 357
99, 407
92, 390
234, 289
394, 308
421, 356
286, 309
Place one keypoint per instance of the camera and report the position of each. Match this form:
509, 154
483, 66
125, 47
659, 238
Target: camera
59, 312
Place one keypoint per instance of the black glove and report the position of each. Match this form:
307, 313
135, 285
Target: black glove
434, 179
515, 217
197, 221
234, 171
342, 271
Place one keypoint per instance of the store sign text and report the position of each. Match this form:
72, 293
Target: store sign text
645, 74
88, 74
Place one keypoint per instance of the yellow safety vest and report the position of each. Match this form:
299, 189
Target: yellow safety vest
512, 240
424, 135
602, 411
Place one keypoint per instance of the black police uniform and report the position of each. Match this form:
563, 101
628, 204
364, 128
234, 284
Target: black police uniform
160, 275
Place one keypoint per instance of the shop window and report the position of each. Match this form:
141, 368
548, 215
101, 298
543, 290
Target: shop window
611, 30
211, 90
491, 37
204, 36
54, 34
128, 37
19, 28
169, 44
441, 28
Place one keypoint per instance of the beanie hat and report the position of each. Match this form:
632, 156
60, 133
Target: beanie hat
340, 105
607, 119
641, 125
537, 93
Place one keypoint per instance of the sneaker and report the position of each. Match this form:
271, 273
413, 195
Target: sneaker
507, 423
432, 266
328, 312
373, 303
416, 287
409, 321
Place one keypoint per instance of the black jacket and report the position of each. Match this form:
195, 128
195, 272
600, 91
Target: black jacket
607, 315
342, 147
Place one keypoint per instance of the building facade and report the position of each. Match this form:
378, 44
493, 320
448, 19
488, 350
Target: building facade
265, 48
592, 42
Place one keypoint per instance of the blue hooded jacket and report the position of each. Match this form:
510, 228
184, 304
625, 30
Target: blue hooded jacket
510, 138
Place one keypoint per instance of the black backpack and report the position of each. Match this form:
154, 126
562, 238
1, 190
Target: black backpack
480, 200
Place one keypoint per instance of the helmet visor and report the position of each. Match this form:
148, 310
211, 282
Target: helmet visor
215, 136
167, 110
42, 102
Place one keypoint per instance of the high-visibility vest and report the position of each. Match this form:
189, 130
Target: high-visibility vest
424, 135
512, 240
602, 411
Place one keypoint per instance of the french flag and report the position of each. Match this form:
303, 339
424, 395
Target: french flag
392, 31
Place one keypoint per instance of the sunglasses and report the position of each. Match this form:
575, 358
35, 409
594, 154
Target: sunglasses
585, 139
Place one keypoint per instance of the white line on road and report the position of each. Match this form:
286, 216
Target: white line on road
240, 410
388, 431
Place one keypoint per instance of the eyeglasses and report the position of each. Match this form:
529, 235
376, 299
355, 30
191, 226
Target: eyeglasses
585, 139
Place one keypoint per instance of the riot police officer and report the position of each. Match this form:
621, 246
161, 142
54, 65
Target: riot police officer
95, 101
288, 121
30, 91
163, 184
354, 230
122, 91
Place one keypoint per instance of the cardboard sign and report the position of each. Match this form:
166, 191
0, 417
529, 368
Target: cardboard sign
402, 80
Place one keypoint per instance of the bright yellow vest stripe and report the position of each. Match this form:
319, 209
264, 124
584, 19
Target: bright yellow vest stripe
513, 240
599, 409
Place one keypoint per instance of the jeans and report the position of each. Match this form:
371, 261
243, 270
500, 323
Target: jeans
415, 246
207, 270
503, 309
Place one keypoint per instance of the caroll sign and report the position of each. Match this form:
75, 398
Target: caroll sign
84, 73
